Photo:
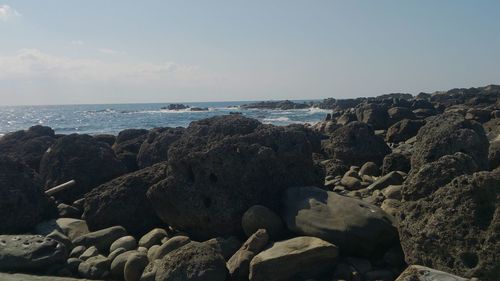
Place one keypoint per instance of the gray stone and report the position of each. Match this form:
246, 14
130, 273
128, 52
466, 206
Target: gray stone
350, 183
392, 192
260, 217
239, 264
126, 242
307, 256
359, 228
135, 266
73, 264
225, 246
169, 246
25, 277
102, 239
58, 236
90, 252
422, 273
116, 253
96, 267
152, 252
73, 228
392, 178
30, 252
153, 237
77, 251
118, 264
370, 169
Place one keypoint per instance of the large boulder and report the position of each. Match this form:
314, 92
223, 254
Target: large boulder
494, 154
455, 229
397, 114
449, 133
192, 262
222, 166
23, 203
357, 227
81, 158
373, 114
28, 253
422, 273
432, 176
356, 144
155, 148
123, 201
299, 256
127, 145
28, 146
403, 130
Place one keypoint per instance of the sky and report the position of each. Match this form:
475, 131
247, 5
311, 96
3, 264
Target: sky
96, 51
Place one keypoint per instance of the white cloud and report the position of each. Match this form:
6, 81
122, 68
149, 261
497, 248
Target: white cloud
33, 63
8, 13
111, 51
77, 42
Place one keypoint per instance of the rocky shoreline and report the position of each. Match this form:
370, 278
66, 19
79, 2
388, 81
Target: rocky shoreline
388, 188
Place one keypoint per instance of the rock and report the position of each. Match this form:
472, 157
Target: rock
76, 157
127, 145
259, 217
28, 253
224, 246
334, 167
118, 264
369, 169
403, 130
492, 129
152, 252
72, 264
392, 178
155, 148
381, 274
396, 162
126, 242
25, 277
116, 253
373, 114
356, 144
347, 118
106, 138
63, 239
27, 146
304, 256
239, 264
422, 273
95, 267
361, 229
432, 176
397, 114
22, 201
455, 229
88, 253
68, 211
169, 246
194, 261
392, 192
391, 207
73, 228
449, 133
494, 155
350, 183
281, 105
478, 114
223, 165
123, 201
102, 239
135, 266
153, 237
77, 251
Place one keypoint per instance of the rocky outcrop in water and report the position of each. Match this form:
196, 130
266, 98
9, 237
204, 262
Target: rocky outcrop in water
282, 105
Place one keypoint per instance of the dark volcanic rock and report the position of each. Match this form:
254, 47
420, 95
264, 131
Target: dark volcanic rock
283, 105
223, 165
403, 130
492, 128
123, 201
109, 139
80, 158
356, 144
155, 148
28, 146
494, 155
373, 114
396, 162
22, 201
176, 106
455, 229
127, 145
449, 133
397, 114
432, 176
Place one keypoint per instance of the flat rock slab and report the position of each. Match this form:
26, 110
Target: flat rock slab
25, 277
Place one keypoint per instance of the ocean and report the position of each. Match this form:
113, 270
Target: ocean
113, 118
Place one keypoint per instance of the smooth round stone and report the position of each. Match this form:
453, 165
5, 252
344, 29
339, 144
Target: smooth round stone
77, 251
152, 252
153, 237
172, 244
135, 266
115, 253
127, 242
260, 217
90, 252
118, 264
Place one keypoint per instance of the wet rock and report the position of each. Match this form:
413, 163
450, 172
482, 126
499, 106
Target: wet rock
153, 237
455, 229
449, 133
28, 253
422, 273
22, 201
259, 217
432, 176
396, 162
403, 130
358, 228
27, 146
356, 144
239, 264
194, 261
222, 166
304, 256
155, 147
75, 157
127, 145
102, 239
123, 201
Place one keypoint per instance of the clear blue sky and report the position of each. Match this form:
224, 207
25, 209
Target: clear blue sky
59, 52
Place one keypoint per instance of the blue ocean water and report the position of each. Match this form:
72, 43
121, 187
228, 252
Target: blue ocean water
112, 118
